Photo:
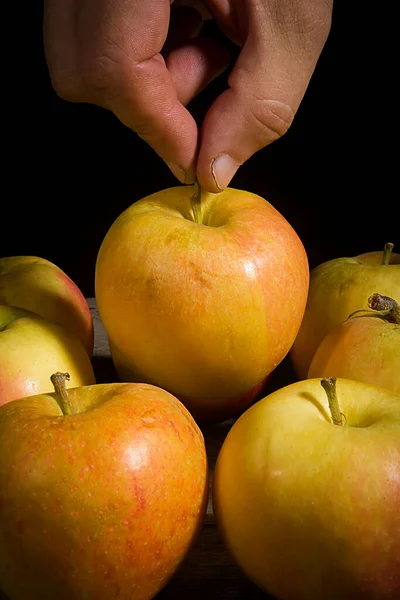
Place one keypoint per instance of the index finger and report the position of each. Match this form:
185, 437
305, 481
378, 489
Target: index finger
117, 64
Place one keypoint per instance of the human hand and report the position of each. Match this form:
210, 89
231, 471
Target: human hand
130, 57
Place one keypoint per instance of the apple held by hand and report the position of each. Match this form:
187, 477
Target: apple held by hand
31, 348
338, 288
201, 294
38, 285
103, 490
365, 347
306, 492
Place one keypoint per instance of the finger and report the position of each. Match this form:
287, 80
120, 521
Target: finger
266, 87
135, 84
119, 67
197, 4
194, 65
231, 16
58, 31
185, 24
147, 102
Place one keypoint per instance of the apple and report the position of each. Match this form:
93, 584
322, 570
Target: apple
204, 410
31, 348
365, 347
38, 285
103, 490
338, 287
201, 294
306, 491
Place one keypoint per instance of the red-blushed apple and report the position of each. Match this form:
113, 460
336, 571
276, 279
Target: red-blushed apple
38, 285
31, 348
339, 287
365, 347
103, 490
306, 491
201, 294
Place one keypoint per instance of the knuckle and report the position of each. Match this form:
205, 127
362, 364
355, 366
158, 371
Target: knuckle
98, 73
272, 117
105, 68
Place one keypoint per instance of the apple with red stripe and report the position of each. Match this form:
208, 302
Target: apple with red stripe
103, 490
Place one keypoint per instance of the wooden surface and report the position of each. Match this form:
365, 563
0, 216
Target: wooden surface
208, 572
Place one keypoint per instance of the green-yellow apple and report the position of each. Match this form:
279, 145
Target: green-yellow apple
201, 294
103, 490
31, 349
306, 491
40, 286
365, 347
338, 287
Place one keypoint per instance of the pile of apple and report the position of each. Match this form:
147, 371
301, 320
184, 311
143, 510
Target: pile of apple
103, 487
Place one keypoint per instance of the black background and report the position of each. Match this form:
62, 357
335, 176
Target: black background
70, 169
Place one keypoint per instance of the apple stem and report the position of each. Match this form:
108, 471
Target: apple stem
58, 380
383, 307
196, 203
388, 307
387, 253
329, 385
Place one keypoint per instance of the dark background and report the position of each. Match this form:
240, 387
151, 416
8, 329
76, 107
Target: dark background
70, 169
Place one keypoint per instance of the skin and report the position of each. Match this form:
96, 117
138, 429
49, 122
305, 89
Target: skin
38, 285
103, 503
31, 349
363, 348
337, 288
309, 509
144, 60
205, 310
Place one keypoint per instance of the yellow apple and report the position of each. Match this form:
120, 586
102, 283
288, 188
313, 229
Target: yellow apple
306, 491
31, 349
201, 294
40, 286
365, 347
339, 287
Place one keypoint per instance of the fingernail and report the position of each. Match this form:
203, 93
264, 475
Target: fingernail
223, 169
179, 173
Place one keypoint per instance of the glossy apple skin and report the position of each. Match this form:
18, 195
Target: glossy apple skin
206, 311
31, 349
362, 348
337, 288
206, 411
309, 509
38, 285
100, 504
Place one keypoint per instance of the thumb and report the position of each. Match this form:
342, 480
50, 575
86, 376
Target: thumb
266, 87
